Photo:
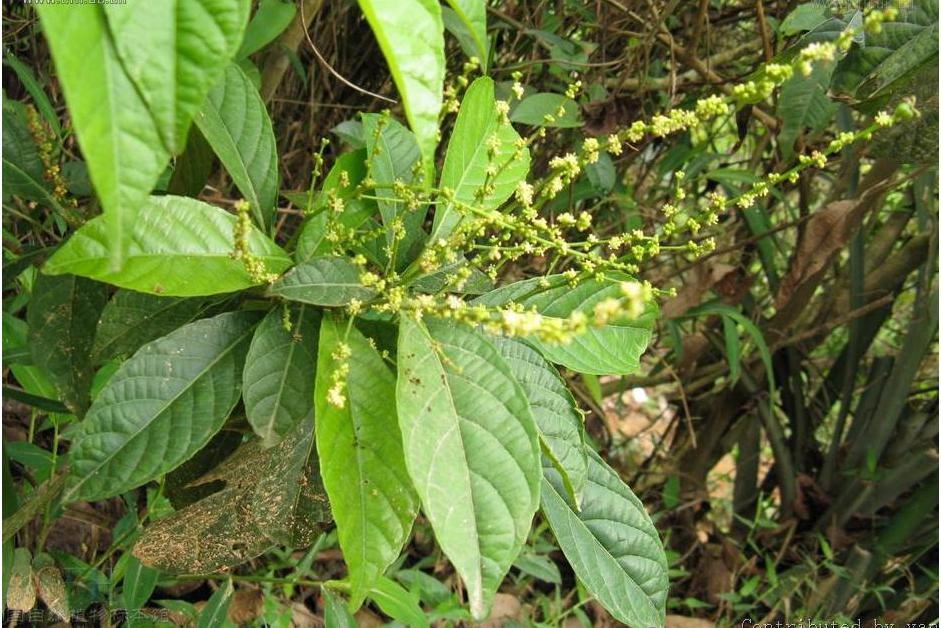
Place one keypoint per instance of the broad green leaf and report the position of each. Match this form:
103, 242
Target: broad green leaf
139, 583
411, 35
161, 407
177, 247
473, 17
278, 381
234, 121
804, 17
470, 156
611, 544
915, 53
361, 459
471, 449
62, 316
560, 422
614, 349
392, 151
173, 51
880, 59
324, 281
270, 497
118, 135
215, 612
533, 110
132, 319
804, 104
269, 21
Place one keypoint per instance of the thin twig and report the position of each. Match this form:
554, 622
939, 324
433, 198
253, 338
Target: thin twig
332, 71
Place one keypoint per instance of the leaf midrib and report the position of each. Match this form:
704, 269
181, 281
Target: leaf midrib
466, 466
107, 460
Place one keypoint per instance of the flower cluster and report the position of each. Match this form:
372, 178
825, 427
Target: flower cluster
336, 395
254, 266
46, 144
533, 224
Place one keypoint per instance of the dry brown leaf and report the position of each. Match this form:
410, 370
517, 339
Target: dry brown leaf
246, 605
303, 617
827, 232
700, 280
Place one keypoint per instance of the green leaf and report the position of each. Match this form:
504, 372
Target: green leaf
335, 612
270, 497
473, 16
269, 21
392, 151
411, 35
361, 459
560, 423
62, 315
234, 121
161, 407
614, 349
118, 135
35, 91
132, 319
324, 281
733, 347
539, 566
804, 104
139, 584
805, 17
881, 59
611, 544
40, 403
469, 157
727, 311
533, 110
471, 450
177, 247
278, 380
399, 604
173, 52
215, 612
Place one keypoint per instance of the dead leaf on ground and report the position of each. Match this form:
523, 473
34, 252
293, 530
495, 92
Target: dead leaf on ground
506, 608
246, 605
303, 617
